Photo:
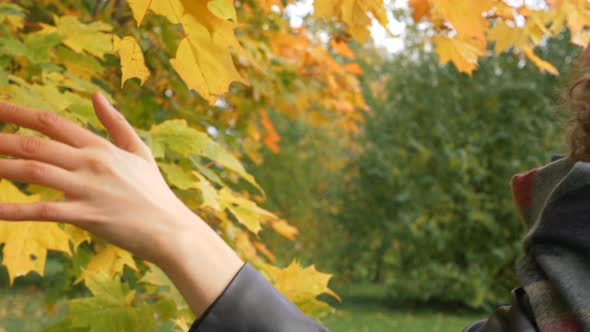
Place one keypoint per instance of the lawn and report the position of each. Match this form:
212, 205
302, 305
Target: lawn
359, 317
364, 309
21, 309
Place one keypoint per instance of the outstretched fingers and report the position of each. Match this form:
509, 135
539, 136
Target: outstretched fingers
67, 212
41, 149
49, 124
123, 134
32, 171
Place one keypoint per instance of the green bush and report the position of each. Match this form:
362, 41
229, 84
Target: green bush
430, 206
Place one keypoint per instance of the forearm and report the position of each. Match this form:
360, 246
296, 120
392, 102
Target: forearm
206, 270
198, 262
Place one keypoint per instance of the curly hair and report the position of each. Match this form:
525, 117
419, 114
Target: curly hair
577, 97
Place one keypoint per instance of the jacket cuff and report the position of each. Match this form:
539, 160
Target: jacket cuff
251, 304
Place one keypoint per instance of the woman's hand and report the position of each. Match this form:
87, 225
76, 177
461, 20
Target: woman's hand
116, 191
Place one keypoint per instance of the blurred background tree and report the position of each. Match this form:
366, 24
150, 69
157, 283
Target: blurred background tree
421, 201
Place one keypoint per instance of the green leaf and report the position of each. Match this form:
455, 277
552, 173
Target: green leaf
40, 43
177, 136
110, 309
178, 177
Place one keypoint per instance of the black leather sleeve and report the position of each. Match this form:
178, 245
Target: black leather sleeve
251, 304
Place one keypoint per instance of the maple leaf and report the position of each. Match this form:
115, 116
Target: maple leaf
183, 316
421, 8
77, 235
26, 242
209, 193
540, 63
186, 65
535, 27
224, 9
92, 38
355, 14
155, 276
140, 8
246, 212
171, 9
84, 65
342, 48
182, 179
261, 247
463, 53
132, 62
506, 36
110, 260
302, 285
178, 176
466, 16
177, 136
203, 60
110, 309
284, 228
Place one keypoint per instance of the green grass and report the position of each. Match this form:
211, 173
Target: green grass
354, 317
362, 310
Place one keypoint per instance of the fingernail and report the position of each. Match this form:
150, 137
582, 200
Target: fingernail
107, 102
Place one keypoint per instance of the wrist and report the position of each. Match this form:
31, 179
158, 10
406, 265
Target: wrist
198, 262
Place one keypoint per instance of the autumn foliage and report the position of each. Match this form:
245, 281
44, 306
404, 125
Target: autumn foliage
197, 79
463, 28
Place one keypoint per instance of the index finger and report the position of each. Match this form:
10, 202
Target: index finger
50, 124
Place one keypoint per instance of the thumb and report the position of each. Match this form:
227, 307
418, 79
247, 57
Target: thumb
122, 133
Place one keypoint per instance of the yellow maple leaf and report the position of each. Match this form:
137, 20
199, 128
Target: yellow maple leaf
535, 27
342, 48
110, 260
506, 36
171, 9
77, 235
285, 229
466, 16
301, 285
540, 63
246, 212
204, 61
26, 242
186, 65
92, 38
463, 53
223, 9
208, 192
140, 8
244, 246
132, 62
420, 9
263, 249
355, 14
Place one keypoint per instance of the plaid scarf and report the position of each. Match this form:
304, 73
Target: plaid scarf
553, 201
